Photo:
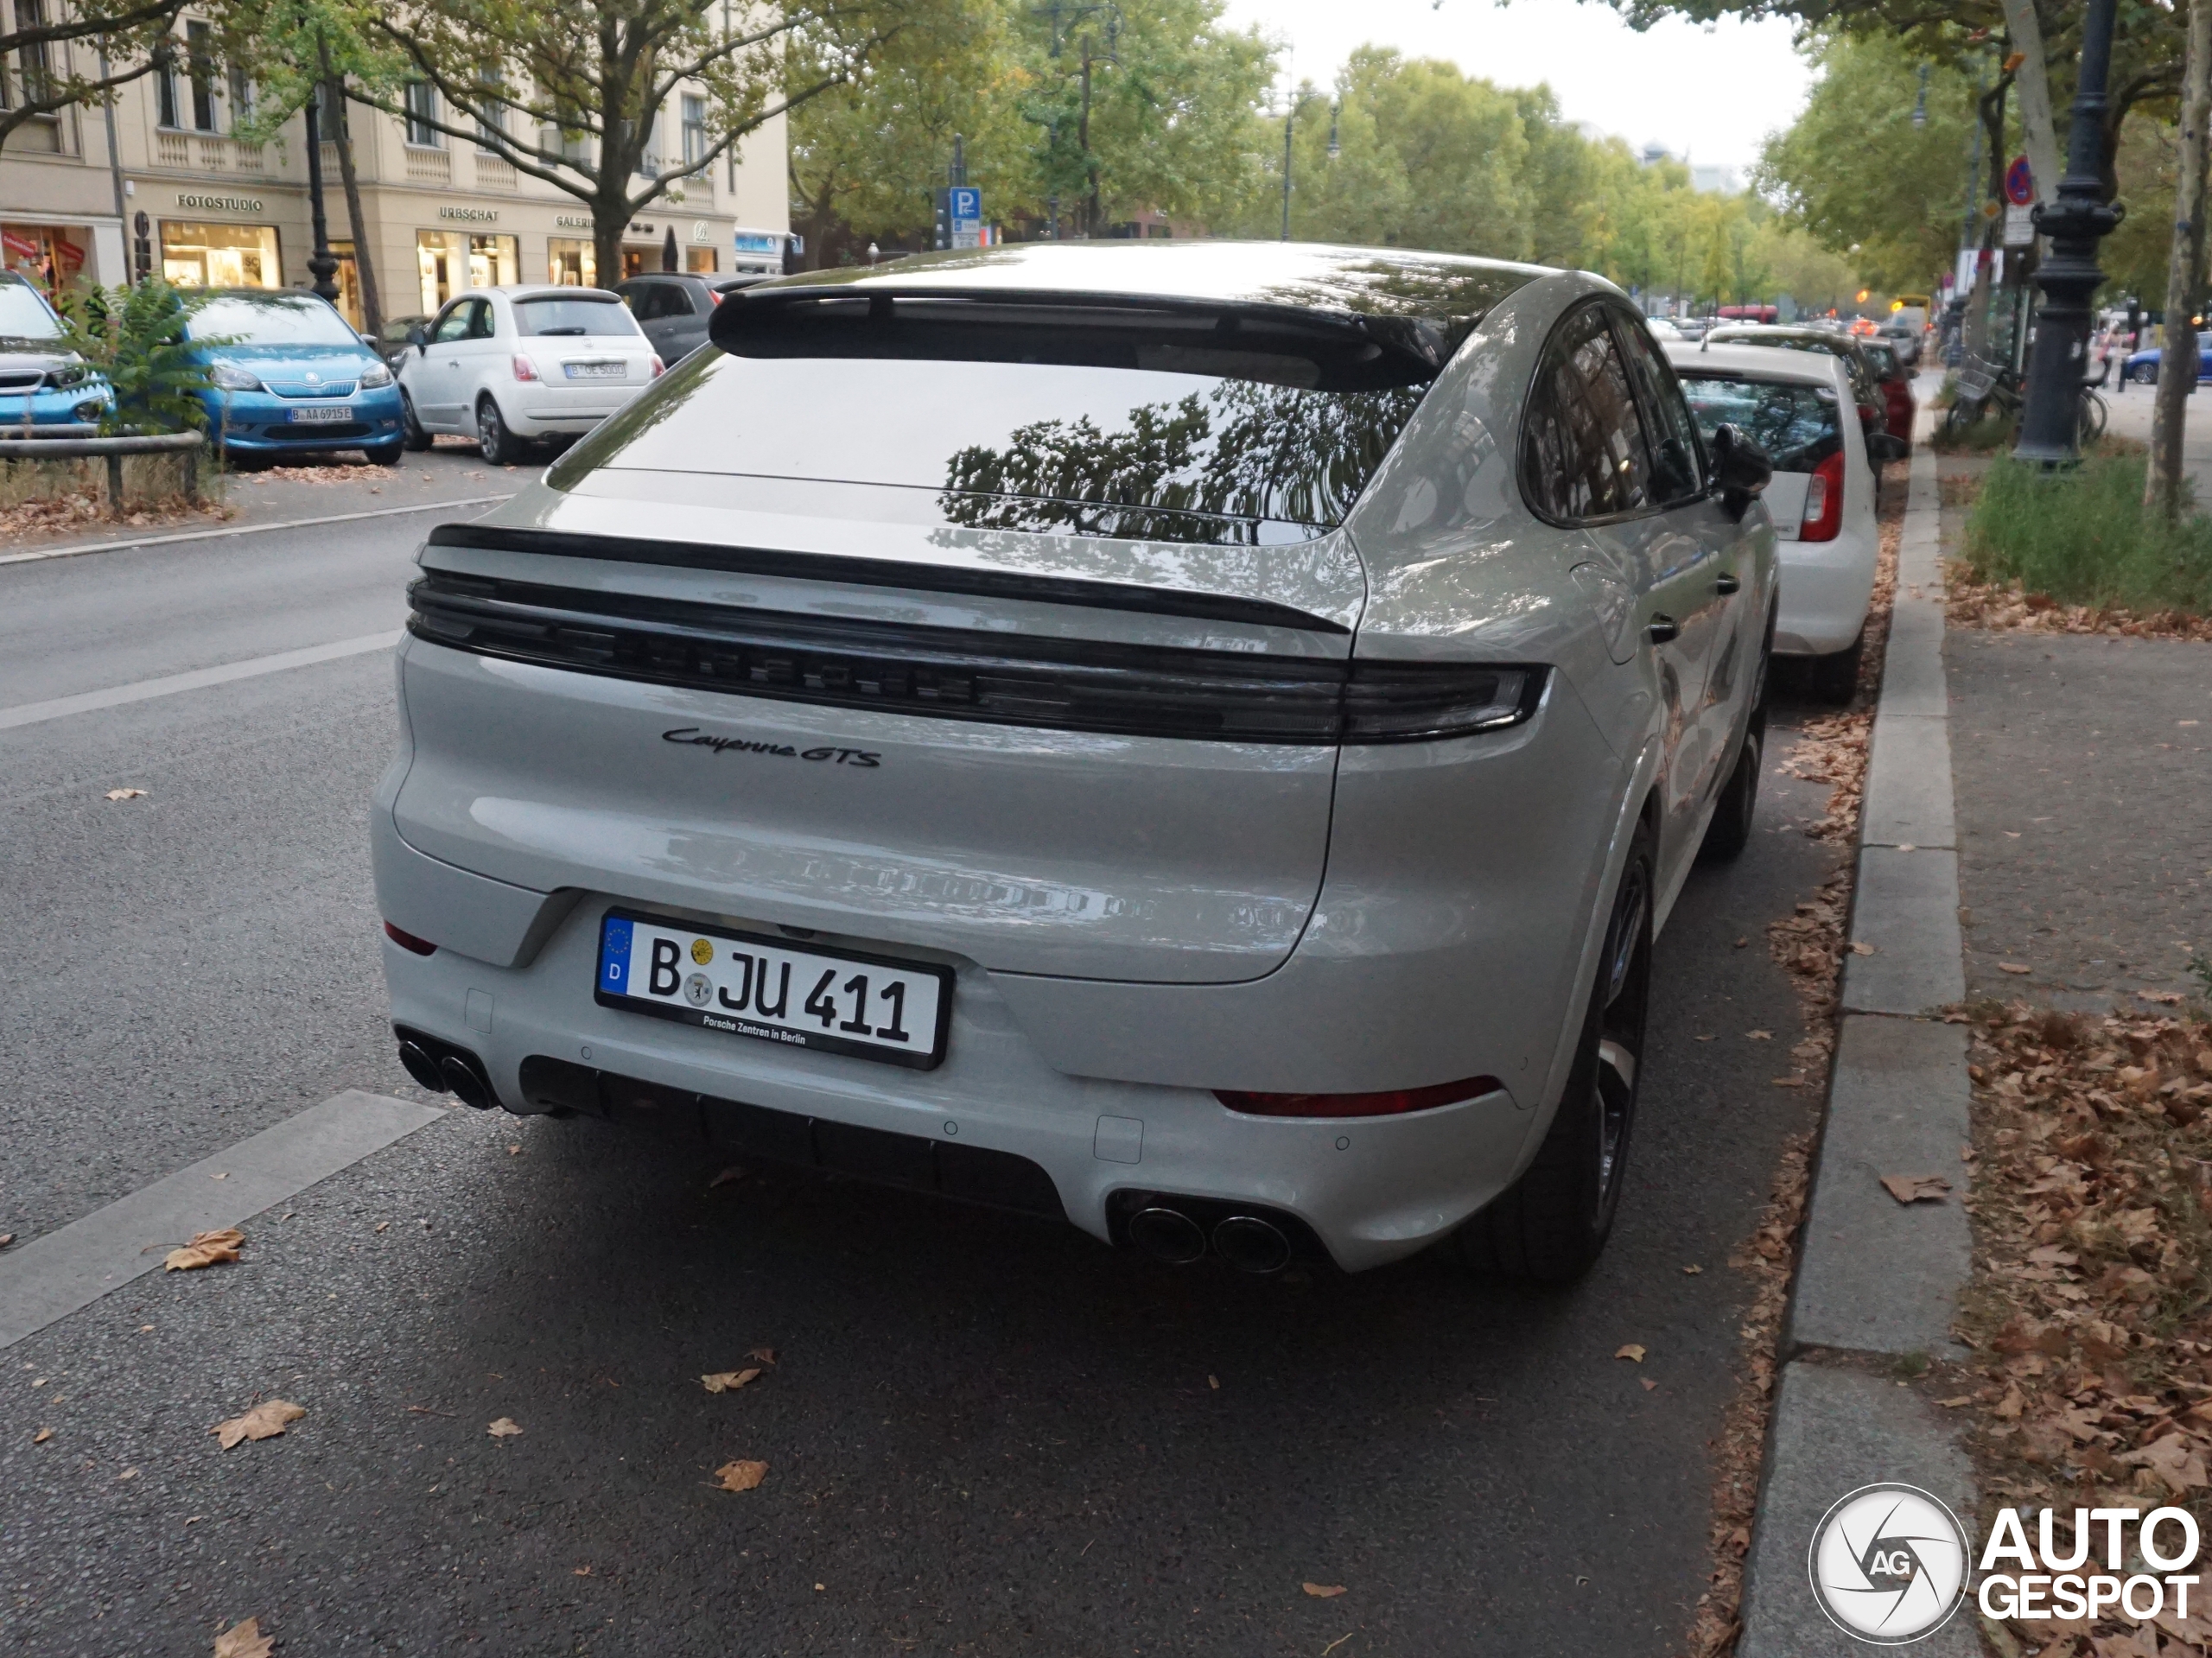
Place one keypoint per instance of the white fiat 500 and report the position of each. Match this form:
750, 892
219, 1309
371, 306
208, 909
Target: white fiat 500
506, 365
1798, 408
1194, 739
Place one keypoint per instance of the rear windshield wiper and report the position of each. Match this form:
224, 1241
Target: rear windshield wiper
547, 332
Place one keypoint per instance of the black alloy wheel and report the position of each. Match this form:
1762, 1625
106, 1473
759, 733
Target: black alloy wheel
383, 455
1551, 1224
412, 438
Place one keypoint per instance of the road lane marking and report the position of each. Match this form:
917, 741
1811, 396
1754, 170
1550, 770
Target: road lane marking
71, 1267
30, 714
244, 529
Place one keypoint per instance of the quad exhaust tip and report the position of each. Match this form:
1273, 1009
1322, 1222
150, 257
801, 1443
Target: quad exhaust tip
1251, 1245
1167, 1234
423, 1068
467, 1087
1245, 1242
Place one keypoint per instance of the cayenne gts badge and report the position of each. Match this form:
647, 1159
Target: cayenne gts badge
691, 736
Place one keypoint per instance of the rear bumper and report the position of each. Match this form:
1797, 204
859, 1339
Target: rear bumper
1825, 589
543, 409
1369, 1190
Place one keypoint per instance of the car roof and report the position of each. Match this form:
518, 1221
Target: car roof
1754, 362
547, 290
1749, 332
1449, 291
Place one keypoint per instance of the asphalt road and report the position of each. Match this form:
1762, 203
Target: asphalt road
983, 1435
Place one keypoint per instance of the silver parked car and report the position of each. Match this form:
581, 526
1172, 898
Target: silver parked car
1194, 738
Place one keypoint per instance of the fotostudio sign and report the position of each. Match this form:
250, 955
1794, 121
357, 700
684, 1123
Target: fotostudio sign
1889, 1564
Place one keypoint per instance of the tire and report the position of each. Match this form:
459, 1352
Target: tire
386, 454
2090, 420
247, 461
1835, 678
412, 438
501, 446
1551, 1224
1729, 830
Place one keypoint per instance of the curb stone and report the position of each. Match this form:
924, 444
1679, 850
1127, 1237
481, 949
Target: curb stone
1876, 1278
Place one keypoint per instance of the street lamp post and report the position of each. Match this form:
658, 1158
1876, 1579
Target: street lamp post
322, 264
2075, 223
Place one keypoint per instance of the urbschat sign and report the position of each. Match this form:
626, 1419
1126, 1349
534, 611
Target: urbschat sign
1889, 1564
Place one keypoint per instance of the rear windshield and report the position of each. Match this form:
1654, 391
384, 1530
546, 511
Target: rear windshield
24, 315
274, 319
568, 314
1110, 430
1795, 424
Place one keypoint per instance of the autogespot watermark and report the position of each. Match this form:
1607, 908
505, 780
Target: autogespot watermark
1889, 1564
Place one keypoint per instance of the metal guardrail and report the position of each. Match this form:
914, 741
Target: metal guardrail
68, 445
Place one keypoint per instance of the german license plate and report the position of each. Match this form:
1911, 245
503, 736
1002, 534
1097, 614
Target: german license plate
837, 1001
597, 370
320, 414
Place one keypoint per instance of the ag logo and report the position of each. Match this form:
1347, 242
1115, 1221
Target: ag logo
1889, 1565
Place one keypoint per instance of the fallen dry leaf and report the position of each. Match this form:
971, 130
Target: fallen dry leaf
124, 794
2014, 967
1692, 1270
581, 1572
1323, 1591
765, 1355
1953, 1404
1915, 1188
1760, 1036
43, 1436
505, 1428
1646, 1384
740, 1476
1789, 1082
514, 1151
727, 1381
2175, 1461
245, 1641
1705, 1039
2164, 998
1214, 1382
1631, 1351
734, 1172
1862, 949
206, 1250
265, 1421
6, 1238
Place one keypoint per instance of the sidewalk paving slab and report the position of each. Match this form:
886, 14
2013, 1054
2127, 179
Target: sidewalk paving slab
1907, 908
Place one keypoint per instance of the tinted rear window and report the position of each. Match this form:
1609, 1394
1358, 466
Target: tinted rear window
1013, 424
1795, 424
563, 314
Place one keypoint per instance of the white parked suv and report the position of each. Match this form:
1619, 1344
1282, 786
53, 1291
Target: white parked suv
1195, 739
506, 365
1798, 407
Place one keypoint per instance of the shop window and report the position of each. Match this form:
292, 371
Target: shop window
570, 263
221, 256
200, 69
702, 261
492, 262
45, 255
348, 278
438, 256
422, 110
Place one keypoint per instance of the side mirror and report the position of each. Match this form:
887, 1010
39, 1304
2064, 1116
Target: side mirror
1740, 469
1881, 447
418, 336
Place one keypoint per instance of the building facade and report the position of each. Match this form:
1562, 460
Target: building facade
158, 181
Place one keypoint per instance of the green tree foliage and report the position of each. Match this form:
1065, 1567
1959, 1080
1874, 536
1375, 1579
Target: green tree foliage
1855, 173
1171, 91
135, 338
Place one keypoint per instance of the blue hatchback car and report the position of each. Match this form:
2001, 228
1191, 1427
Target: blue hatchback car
2143, 367
43, 382
292, 378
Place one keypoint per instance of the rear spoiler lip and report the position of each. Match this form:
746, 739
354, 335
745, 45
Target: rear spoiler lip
886, 573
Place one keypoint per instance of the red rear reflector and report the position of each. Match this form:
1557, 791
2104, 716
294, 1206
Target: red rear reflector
1390, 1103
408, 940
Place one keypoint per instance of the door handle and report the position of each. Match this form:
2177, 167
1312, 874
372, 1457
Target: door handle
1662, 630
1727, 583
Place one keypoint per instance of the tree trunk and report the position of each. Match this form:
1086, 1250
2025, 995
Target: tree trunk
2184, 275
609, 220
2033, 79
365, 269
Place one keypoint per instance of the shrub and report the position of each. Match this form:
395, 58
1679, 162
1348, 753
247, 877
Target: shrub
135, 337
2082, 537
